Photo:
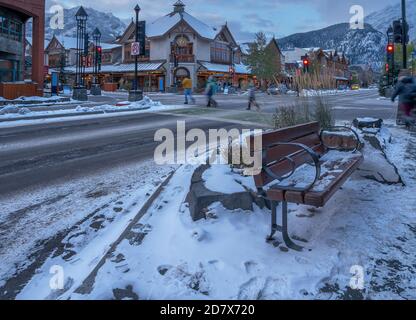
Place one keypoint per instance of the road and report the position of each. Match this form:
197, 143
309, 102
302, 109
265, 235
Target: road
39, 154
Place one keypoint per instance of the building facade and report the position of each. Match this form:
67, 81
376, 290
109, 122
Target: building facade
13, 17
177, 45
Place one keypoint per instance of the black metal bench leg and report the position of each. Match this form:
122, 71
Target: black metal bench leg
274, 226
290, 244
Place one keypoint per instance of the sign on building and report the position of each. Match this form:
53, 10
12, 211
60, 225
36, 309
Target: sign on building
135, 49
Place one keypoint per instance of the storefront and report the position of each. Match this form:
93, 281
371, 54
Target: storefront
151, 75
236, 75
13, 16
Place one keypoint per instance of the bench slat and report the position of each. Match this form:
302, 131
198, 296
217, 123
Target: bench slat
278, 152
287, 134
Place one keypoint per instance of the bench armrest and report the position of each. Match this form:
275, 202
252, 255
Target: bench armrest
337, 128
314, 156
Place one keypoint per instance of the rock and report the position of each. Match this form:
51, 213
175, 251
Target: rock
362, 123
376, 165
343, 140
200, 198
127, 293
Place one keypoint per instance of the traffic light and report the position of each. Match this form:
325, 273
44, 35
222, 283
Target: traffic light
306, 63
390, 48
397, 31
99, 53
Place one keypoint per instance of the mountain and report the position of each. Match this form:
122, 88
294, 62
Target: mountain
380, 20
109, 25
360, 46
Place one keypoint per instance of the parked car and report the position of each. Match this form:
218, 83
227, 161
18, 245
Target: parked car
355, 87
342, 87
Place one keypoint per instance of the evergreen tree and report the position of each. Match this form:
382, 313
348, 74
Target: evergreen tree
261, 59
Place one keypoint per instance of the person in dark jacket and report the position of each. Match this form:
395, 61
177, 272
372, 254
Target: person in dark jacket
406, 90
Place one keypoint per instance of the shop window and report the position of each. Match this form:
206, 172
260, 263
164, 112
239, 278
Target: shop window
11, 28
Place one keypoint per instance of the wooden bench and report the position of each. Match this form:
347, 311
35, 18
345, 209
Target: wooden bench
304, 165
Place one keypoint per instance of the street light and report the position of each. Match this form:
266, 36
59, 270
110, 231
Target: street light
80, 91
96, 36
136, 94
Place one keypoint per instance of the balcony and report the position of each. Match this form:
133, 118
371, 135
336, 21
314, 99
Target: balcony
183, 58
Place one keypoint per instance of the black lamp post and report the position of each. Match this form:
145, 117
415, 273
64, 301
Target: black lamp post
80, 91
136, 94
96, 36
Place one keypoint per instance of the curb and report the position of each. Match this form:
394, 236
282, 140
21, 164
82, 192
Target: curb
87, 284
65, 115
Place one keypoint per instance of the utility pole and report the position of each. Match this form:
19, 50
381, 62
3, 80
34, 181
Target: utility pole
404, 35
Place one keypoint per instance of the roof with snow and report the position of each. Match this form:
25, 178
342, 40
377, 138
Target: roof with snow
67, 42
294, 55
109, 46
122, 68
164, 24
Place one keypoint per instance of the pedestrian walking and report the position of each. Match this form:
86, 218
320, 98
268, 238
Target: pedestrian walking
210, 91
406, 91
252, 96
187, 86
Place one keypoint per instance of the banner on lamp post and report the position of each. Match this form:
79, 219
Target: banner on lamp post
135, 48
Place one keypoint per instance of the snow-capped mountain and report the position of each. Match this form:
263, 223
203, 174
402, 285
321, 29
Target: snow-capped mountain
360, 46
380, 20
109, 25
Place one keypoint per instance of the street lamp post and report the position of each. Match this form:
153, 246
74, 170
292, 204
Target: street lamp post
136, 94
80, 91
96, 88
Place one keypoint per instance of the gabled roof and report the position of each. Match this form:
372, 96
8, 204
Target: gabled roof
66, 42
166, 23
227, 33
274, 42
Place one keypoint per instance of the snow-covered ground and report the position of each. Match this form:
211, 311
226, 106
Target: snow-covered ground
314, 93
14, 112
367, 227
83, 214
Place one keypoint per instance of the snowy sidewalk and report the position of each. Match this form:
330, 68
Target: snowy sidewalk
367, 227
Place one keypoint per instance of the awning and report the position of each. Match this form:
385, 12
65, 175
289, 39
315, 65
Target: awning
123, 68
224, 68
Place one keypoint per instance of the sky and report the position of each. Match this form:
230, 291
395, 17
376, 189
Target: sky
245, 17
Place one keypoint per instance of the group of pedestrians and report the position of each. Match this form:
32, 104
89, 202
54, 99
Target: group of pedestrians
211, 89
406, 91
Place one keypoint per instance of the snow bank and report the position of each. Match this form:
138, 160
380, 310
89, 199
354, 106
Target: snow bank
16, 111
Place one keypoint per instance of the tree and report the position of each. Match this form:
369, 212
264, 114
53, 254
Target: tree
261, 59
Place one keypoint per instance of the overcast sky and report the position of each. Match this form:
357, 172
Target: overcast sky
275, 17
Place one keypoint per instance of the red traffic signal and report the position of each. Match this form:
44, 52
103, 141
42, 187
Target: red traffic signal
99, 49
390, 48
305, 62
